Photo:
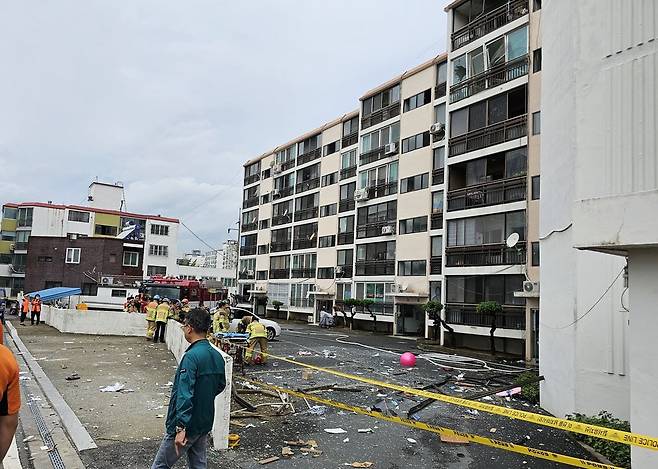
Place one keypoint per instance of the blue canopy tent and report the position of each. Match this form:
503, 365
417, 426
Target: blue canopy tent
52, 294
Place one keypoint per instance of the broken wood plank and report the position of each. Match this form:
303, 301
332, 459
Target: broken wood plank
268, 460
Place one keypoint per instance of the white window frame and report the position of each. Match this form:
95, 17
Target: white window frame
158, 250
136, 254
73, 255
160, 230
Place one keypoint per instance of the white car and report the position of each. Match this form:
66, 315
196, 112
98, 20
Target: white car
273, 328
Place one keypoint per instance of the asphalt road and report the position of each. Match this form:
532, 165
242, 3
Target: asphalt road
128, 427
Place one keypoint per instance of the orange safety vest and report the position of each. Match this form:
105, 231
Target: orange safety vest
36, 306
26, 305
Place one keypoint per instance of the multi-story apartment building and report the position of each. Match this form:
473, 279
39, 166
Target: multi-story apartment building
415, 195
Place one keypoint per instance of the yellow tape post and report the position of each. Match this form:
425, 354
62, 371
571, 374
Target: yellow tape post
619, 436
524, 450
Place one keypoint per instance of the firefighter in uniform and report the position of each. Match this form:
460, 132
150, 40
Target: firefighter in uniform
162, 315
220, 321
257, 335
151, 309
185, 308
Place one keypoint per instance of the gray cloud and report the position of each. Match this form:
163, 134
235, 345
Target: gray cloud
172, 97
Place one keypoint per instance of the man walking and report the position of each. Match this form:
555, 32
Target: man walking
151, 311
199, 379
36, 310
162, 315
25, 308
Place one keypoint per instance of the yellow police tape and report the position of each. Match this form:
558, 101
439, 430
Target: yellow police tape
635, 439
524, 450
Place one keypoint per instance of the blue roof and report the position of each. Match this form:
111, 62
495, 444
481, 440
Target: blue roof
51, 294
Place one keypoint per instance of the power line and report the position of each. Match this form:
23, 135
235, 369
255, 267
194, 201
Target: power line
198, 237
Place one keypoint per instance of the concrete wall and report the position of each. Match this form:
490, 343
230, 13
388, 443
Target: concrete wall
94, 322
178, 345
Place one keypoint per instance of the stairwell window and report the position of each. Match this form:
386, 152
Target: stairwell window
158, 250
72, 255
130, 259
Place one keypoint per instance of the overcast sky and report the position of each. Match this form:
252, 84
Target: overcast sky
171, 97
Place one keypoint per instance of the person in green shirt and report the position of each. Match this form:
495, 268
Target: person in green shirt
199, 379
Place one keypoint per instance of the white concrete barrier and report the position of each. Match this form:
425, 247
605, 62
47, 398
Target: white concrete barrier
94, 322
177, 344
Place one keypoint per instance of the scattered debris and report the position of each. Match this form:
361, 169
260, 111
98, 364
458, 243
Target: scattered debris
286, 452
412, 441
304, 353
72, 377
311, 443
312, 451
334, 431
29, 438
359, 464
328, 354
233, 440
268, 460
365, 430
472, 411
509, 392
318, 410
458, 440
492, 430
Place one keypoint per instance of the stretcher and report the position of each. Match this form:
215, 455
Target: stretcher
234, 344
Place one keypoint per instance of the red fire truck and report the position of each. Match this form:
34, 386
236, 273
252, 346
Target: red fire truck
210, 292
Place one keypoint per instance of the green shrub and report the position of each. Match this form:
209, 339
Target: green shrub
277, 305
529, 391
489, 307
618, 453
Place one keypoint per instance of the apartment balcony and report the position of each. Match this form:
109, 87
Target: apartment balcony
306, 214
383, 308
346, 238
487, 254
440, 90
379, 228
249, 226
264, 249
381, 115
17, 268
385, 267
310, 156
307, 185
302, 302
250, 202
279, 193
378, 154
349, 172
436, 221
246, 275
489, 22
280, 246
438, 176
248, 250
281, 220
511, 318
286, 165
279, 273
346, 271
20, 245
350, 139
381, 190
495, 76
491, 193
251, 179
501, 132
303, 273
435, 265
305, 243
346, 205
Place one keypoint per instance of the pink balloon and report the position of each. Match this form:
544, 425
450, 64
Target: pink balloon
408, 359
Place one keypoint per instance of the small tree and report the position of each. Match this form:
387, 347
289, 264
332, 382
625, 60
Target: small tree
491, 309
277, 306
351, 304
433, 309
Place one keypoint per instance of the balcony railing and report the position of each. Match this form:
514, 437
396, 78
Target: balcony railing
310, 156
302, 302
377, 154
249, 226
373, 229
346, 205
495, 76
511, 318
346, 271
303, 273
279, 273
346, 238
305, 243
248, 250
385, 267
18, 268
281, 220
440, 90
487, 136
438, 176
264, 249
286, 165
381, 115
491, 193
250, 202
280, 246
246, 276
20, 245
349, 172
307, 185
489, 22
436, 221
282, 192
435, 265
350, 139
488, 254
381, 190
306, 214
251, 179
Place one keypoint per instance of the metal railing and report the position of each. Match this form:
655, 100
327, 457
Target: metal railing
370, 230
489, 22
346, 238
279, 273
385, 267
283, 192
495, 76
381, 115
440, 90
264, 249
281, 220
346, 205
435, 265
501, 132
248, 250
350, 139
348, 172
436, 221
250, 202
305, 243
488, 254
310, 156
245, 276
280, 246
306, 214
302, 302
249, 226
381, 190
346, 271
251, 179
307, 185
377, 154
511, 318
286, 165
438, 176
21, 245
303, 273
491, 193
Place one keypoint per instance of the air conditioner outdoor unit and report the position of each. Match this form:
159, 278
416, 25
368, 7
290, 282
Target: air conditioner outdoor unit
361, 195
531, 287
107, 280
387, 229
391, 148
250, 272
276, 168
438, 130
